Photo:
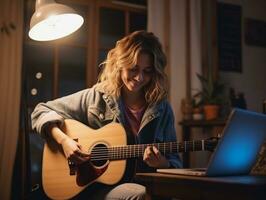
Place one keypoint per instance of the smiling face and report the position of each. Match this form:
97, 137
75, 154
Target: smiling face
134, 68
137, 77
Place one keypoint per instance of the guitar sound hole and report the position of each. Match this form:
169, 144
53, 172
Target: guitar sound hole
99, 155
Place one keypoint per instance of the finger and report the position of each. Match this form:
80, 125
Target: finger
147, 154
79, 145
81, 157
150, 151
82, 153
151, 155
156, 152
153, 151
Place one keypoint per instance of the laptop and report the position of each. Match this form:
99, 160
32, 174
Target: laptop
237, 150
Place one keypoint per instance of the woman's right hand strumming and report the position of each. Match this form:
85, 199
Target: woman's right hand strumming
72, 149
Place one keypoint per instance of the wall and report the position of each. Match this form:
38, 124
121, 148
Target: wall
252, 79
253, 59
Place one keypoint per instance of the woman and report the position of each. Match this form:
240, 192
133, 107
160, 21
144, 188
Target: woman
131, 90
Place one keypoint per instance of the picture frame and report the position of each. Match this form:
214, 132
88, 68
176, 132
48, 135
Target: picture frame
255, 32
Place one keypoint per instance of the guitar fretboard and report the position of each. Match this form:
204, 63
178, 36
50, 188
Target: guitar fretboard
137, 150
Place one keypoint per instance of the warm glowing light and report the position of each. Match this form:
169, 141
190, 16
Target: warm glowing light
52, 21
56, 27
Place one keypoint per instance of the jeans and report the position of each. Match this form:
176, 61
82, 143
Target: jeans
125, 191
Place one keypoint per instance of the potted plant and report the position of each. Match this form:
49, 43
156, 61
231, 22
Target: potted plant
197, 111
211, 96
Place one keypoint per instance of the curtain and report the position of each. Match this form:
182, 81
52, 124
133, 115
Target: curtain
11, 24
178, 25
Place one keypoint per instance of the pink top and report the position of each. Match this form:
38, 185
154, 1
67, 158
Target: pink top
134, 117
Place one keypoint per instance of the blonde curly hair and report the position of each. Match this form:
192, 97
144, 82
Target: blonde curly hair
124, 55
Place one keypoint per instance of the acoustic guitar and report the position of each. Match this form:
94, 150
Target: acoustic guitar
109, 156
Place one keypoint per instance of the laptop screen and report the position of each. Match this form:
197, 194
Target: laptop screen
237, 150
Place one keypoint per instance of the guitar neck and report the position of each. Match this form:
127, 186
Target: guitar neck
133, 151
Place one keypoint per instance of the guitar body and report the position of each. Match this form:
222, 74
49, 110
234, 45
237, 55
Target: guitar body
57, 181
112, 158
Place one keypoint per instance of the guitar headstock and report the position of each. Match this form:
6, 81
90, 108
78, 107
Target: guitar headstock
211, 143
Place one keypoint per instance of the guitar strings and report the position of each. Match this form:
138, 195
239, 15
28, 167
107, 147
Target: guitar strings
187, 143
166, 145
117, 155
124, 149
114, 156
115, 152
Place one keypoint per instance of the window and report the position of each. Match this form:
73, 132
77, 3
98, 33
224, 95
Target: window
70, 64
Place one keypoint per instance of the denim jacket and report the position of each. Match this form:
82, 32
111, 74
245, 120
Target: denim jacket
97, 109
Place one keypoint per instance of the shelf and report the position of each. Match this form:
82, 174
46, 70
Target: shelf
202, 123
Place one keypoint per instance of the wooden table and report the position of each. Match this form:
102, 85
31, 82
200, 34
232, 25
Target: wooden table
186, 131
159, 186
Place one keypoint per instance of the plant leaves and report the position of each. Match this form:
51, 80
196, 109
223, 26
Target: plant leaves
212, 91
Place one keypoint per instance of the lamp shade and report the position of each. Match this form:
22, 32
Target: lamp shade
52, 21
